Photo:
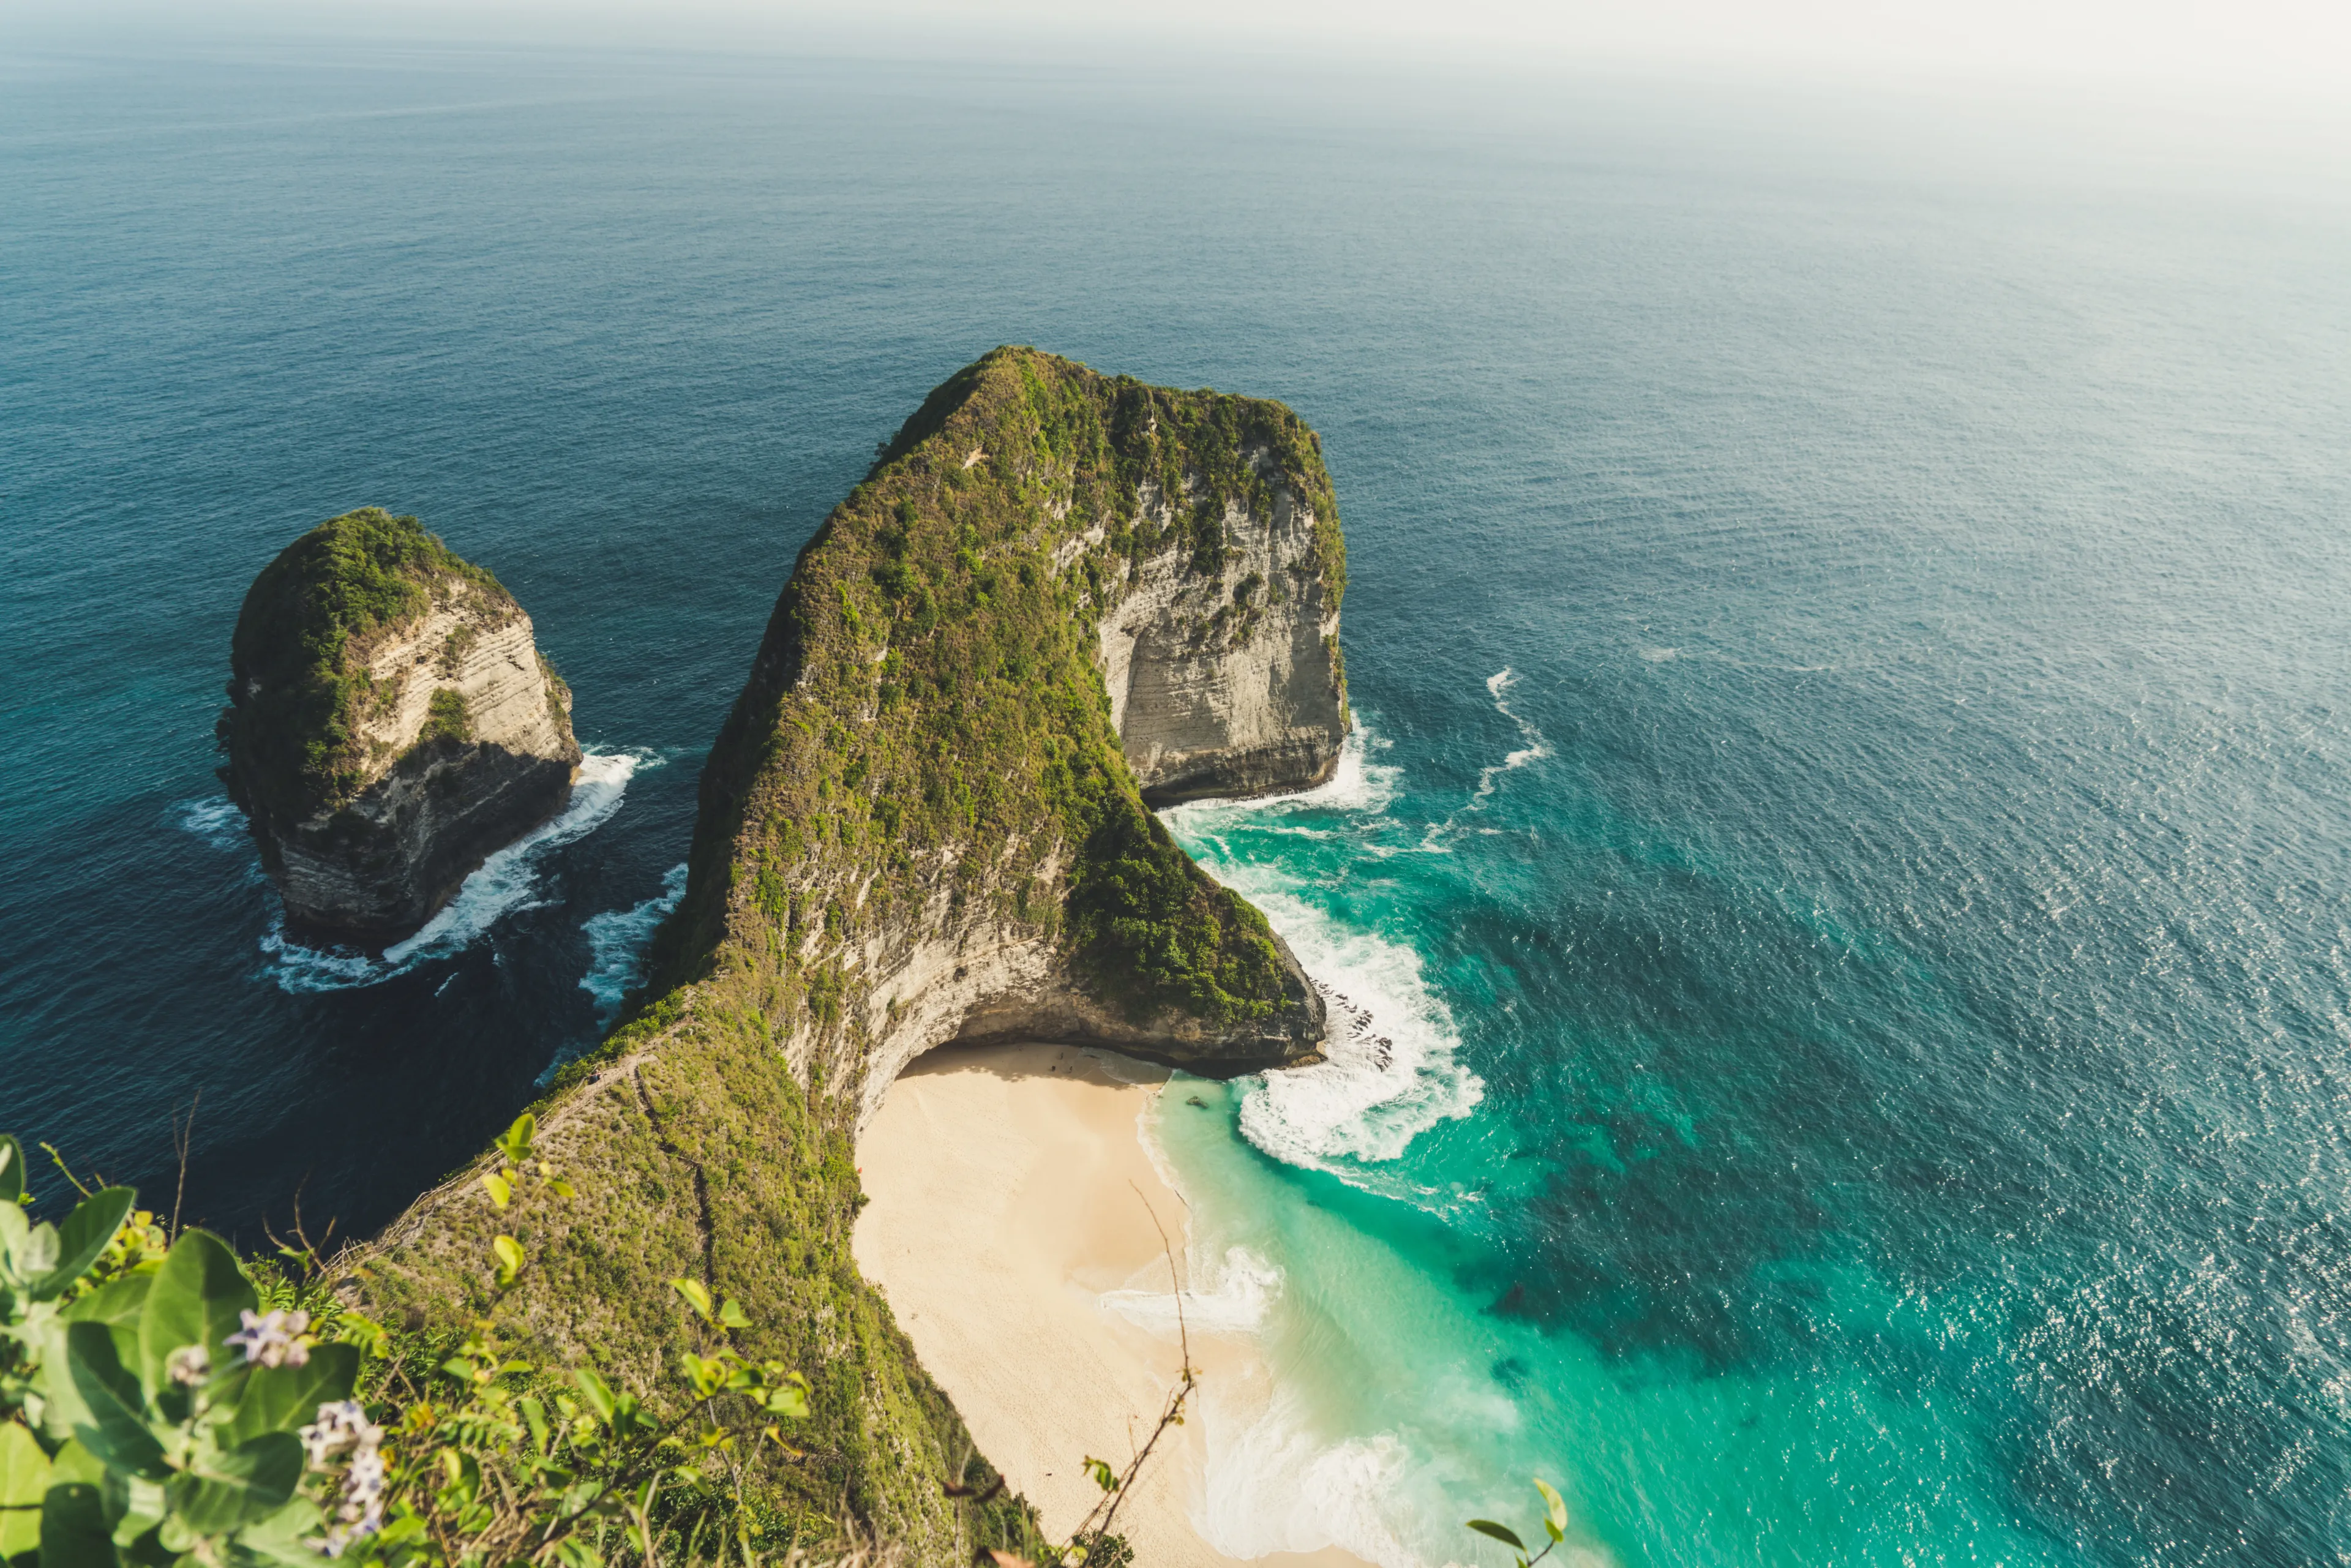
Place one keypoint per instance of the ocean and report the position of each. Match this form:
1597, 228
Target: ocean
1837, 897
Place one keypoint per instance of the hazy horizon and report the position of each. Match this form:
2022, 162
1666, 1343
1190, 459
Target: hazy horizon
2271, 49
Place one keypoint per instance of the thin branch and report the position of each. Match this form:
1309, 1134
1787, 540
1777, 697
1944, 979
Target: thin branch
182, 1138
59, 1161
1171, 1415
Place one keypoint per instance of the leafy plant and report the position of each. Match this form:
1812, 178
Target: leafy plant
155, 1410
1554, 1525
446, 717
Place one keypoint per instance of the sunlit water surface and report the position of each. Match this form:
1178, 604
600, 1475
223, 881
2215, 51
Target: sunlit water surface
1837, 904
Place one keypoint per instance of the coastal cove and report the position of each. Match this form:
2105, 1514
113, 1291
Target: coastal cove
1829, 912
1028, 1266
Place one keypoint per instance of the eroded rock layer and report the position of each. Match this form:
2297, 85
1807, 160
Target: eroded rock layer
391, 723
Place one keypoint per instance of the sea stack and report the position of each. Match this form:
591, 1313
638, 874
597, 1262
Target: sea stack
391, 722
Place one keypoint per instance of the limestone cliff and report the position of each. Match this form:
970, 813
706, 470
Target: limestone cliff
919, 824
1228, 683
391, 722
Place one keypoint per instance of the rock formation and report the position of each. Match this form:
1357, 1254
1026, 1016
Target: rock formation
1227, 682
924, 821
391, 722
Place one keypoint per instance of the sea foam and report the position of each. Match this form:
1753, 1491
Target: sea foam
503, 883
1440, 837
1270, 1486
1358, 784
1391, 1073
1233, 1300
215, 820
616, 943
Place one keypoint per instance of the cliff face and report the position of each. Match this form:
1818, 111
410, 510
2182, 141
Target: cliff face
1228, 684
919, 825
390, 724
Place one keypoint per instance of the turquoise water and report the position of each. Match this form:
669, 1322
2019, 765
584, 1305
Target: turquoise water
1841, 878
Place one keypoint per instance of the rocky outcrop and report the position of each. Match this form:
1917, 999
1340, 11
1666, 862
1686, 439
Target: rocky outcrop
1228, 684
391, 723
923, 822
1058, 595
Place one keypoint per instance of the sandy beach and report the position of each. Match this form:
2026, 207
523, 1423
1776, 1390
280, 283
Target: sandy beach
1010, 1188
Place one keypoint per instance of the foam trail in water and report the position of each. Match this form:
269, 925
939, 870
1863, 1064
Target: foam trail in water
216, 821
1235, 1299
503, 883
1497, 687
616, 943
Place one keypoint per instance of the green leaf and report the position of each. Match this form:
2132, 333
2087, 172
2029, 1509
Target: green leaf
24, 1481
136, 1505
243, 1485
501, 1190
598, 1393
74, 1533
12, 1168
61, 1407
117, 1304
279, 1541
1554, 1508
695, 1295
364, 1333
1502, 1533
82, 1238
283, 1398
15, 1231
516, 1145
730, 1313
34, 1254
116, 1432
510, 1258
195, 1299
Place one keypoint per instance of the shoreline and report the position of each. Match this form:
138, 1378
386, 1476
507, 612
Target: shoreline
1010, 1187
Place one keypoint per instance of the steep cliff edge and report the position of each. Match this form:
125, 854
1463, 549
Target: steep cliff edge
391, 722
919, 825
1229, 682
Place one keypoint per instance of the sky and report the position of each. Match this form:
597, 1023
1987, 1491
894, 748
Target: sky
2297, 46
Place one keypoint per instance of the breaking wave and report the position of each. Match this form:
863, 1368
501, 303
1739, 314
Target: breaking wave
504, 883
1391, 1073
616, 944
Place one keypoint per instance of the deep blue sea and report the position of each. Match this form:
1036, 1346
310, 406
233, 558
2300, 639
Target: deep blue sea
1841, 883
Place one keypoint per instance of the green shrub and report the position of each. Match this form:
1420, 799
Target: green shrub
446, 717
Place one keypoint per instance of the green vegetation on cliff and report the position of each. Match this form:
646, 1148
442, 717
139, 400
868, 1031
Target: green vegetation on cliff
299, 657
922, 754
926, 703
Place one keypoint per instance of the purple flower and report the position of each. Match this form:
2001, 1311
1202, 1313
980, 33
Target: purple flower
273, 1340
